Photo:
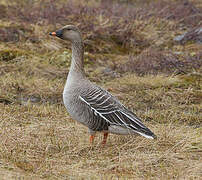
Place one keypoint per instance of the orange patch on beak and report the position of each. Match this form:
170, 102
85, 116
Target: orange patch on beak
52, 33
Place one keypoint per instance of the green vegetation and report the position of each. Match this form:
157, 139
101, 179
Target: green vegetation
133, 49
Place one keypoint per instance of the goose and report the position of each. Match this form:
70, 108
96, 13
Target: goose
90, 104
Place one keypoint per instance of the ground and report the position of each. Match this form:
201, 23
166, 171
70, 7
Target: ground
146, 53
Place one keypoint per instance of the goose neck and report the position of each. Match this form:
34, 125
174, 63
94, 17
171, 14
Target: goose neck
77, 64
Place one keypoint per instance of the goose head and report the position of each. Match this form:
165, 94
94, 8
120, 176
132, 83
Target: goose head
68, 32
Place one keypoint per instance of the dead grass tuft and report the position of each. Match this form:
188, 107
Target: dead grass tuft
184, 12
49, 148
152, 61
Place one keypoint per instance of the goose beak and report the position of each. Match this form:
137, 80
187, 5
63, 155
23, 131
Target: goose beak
52, 33
58, 33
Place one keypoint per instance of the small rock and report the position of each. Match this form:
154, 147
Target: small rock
194, 34
35, 99
108, 71
179, 38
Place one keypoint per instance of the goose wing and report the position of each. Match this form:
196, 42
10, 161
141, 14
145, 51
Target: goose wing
106, 106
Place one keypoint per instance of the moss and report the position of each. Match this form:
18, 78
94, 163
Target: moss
8, 54
59, 58
193, 79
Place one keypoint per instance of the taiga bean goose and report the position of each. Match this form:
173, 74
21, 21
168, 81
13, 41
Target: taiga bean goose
91, 105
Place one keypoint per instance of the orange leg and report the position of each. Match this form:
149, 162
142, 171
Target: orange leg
105, 138
92, 138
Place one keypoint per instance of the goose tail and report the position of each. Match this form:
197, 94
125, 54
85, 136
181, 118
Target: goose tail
147, 133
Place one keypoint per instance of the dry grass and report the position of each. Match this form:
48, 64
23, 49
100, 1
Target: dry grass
44, 141
39, 140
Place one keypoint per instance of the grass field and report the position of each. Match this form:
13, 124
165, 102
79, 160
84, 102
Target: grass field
147, 53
